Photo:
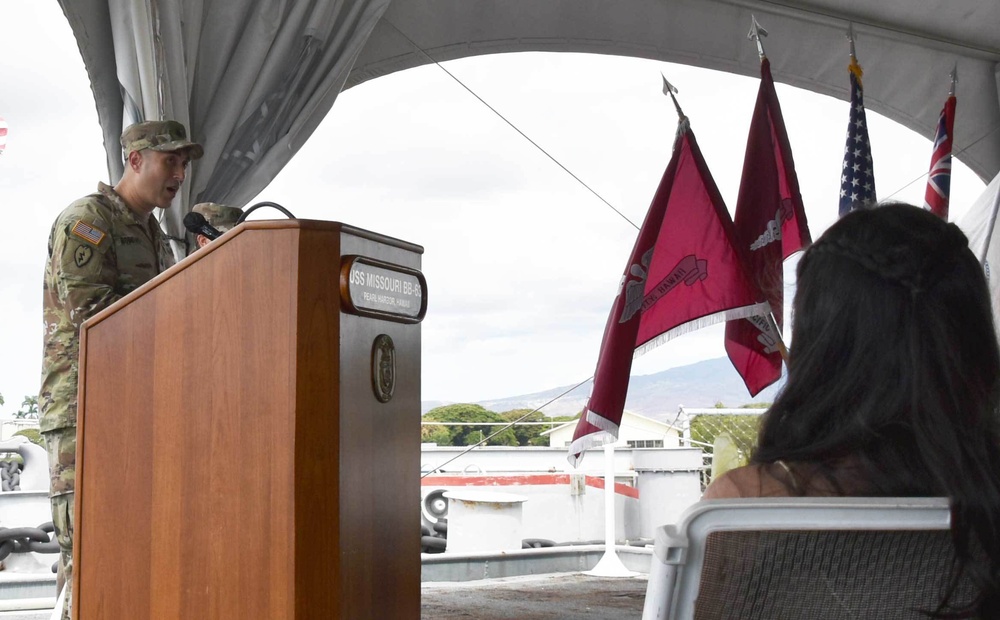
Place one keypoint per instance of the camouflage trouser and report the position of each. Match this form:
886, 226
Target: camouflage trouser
62, 519
61, 445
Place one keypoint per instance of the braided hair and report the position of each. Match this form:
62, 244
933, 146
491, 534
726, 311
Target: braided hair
894, 368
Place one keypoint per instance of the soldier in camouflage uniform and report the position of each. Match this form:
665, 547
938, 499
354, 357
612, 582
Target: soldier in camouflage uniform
220, 217
101, 248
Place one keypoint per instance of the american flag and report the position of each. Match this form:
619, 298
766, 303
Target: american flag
939, 178
857, 180
85, 231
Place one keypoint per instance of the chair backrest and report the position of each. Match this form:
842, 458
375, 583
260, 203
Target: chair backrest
812, 558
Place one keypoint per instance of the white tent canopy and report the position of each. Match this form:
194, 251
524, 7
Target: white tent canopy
907, 47
253, 79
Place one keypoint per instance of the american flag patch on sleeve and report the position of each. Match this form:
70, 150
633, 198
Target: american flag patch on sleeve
88, 232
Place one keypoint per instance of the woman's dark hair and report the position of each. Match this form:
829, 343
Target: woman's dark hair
894, 368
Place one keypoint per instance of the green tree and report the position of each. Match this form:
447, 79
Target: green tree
471, 434
527, 435
33, 435
435, 434
29, 408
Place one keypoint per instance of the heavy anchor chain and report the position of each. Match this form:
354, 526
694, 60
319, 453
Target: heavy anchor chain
10, 476
27, 539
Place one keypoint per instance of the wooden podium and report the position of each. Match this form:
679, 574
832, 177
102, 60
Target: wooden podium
248, 439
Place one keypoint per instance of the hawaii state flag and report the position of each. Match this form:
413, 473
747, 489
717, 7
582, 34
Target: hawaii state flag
939, 178
770, 226
684, 273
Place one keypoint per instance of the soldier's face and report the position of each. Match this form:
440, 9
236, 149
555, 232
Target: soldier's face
161, 175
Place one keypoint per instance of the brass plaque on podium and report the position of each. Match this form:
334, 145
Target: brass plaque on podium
381, 290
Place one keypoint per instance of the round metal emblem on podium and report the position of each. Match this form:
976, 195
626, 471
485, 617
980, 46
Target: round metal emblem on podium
383, 367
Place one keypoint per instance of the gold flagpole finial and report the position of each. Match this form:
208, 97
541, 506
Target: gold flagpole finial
756, 35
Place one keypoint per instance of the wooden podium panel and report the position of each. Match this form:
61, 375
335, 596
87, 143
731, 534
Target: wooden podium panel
233, 459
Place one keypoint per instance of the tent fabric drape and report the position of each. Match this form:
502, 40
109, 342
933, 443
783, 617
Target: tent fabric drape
980, 226
251, 79
908, 52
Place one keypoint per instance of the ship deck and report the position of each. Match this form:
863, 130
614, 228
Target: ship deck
524, 584
535, 597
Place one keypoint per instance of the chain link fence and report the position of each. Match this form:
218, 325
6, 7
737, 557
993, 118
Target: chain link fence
730, 432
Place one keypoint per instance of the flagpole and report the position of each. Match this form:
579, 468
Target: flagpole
954, 80
610, 565
781, 340
757, 34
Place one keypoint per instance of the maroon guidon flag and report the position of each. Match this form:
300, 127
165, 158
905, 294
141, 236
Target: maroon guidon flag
770, 226
684, 273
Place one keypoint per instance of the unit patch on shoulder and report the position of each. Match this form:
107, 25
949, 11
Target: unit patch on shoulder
88, 233
82, 255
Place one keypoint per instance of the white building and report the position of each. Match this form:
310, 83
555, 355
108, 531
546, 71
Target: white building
9, 426
635, 431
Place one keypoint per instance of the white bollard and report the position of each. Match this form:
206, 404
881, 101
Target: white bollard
481, 521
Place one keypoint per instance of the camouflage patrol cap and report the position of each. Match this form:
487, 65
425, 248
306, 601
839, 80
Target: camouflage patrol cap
219, 216
159, 136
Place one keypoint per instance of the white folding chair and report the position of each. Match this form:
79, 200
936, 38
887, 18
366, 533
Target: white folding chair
803, 558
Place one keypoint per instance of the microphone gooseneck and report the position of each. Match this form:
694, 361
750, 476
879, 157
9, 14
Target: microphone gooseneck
266, 203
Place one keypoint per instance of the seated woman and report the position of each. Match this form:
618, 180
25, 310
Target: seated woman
893, 381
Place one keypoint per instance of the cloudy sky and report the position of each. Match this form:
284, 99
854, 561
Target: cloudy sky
522, 262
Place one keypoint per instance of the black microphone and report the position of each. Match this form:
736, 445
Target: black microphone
197, 224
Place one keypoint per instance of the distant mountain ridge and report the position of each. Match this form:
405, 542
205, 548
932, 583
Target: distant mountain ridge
656, 396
